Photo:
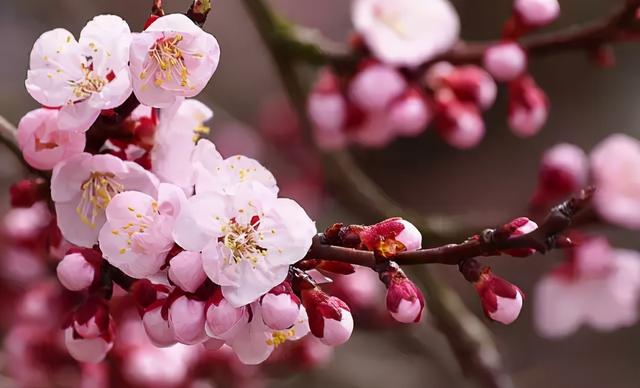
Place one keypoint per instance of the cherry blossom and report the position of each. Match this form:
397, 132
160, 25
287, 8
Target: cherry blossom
214, 173
248, 240
175, 140
137, 234
406, 32
42, 143
255, 341
82, 187
598, 286
85, 76
172, 58
614, 165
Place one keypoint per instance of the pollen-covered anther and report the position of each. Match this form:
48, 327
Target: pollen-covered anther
91, 83
242, 241
97, 192
170, 59
280, 336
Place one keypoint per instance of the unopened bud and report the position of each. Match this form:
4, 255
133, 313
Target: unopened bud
501, 300
223, 319
329, 317
187, 319
280, 307
536, 13
528, 107
374, 87
458, 123
564, 169
185, 270
75, 272
405, 301
505, 61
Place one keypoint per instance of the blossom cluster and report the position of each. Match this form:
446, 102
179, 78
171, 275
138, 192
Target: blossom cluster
403, 81
203, 244
596, 285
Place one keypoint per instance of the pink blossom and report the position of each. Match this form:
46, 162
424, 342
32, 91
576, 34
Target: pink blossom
85, 76
42, 143
537, 13
89, 335
374, 87
158, 330
459, 124
598, 287
563, 170
280, 307
92, 350
501, 300
137, 234
327, 110
406, 32
213, 173
330, 318
187, 320
179, 127
405, 302
247, 240
505, 61
172, 58
528, 107
255, 341
410, 113
223, 319
83, 186
185, 271
614, 165
75, 272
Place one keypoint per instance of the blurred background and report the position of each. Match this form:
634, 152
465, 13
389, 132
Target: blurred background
486, 185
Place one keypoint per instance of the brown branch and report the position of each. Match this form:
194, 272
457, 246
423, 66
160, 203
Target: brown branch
489, 242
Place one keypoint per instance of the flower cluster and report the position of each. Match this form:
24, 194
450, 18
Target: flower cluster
400, 87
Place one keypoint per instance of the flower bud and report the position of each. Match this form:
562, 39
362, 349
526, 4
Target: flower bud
564, 170
472, 84
521, 226
405, 301
157, 328
375, 86
223, 319
501, 300
329, 317
528, 107
459, 124
89, 332
280, 307
75, 272
327, 110
185, 270
27, 192
505, 61
187, 319
91, 350
391, 236
536, 13
410, 114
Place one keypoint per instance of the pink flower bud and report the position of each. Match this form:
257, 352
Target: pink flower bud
405, 302
472, 84
436, 74
88, 329
501, 300
391, 236
459, 123
528, 107
564, 170
158, 329
410, 114
375, 86
42, 143
75, 272
91, 350
185, 270
187, 319
521, 226
505, 61
280, 307
326, 106
223, 319
537, 13
329, 317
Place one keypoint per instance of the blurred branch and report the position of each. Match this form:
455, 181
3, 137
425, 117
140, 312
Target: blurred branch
310, 46
490, 242
474, 349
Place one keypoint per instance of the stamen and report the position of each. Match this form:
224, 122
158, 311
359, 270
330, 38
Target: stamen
97, 192
170, 59
242, 241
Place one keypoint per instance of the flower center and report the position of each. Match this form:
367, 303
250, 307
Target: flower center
391, 19
91, 83
97, 191
279, 337
170, 59
133, 230
242, 241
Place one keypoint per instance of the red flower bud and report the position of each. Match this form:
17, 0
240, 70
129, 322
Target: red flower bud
501, 300
329, 317
27, 192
